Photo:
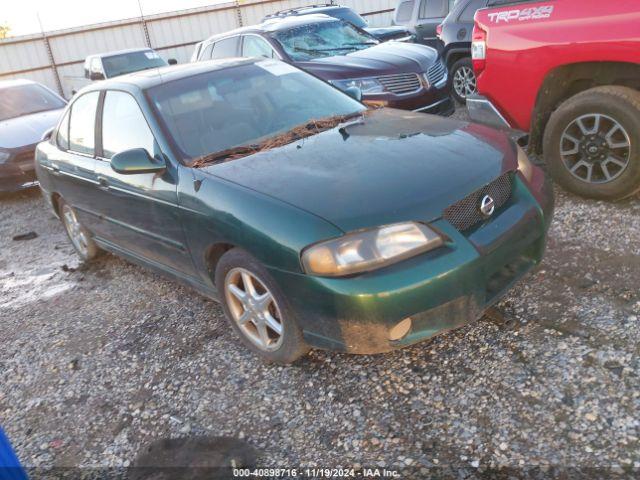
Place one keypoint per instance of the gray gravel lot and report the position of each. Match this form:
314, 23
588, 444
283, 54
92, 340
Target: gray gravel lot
97, 361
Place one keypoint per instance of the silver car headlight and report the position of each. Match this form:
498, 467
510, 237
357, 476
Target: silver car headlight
366, 85
4, 156
369, 249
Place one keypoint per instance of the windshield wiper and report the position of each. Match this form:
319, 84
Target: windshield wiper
299, 132
333, 49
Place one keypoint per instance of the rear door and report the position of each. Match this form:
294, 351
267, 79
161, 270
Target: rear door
141, 214
431, 13
74, 162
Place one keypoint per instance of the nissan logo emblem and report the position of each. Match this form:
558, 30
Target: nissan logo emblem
487, 206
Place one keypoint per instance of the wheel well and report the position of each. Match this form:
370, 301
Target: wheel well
566, 81
213, 255
453, 57
55, 204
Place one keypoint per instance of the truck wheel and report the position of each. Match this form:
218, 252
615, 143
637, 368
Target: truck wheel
257, 310
463, 80
80, 237
592, 143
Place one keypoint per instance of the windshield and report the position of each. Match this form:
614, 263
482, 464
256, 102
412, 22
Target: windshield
323, 39
131, 62
243, 105
348, 15
27, 99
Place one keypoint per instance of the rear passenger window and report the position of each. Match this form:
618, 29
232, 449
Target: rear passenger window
62, 137
83, 123
124, 126
433, 8
405, 9
470, 10
226, 48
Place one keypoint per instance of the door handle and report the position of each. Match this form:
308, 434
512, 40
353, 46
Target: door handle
103, 184
55, 169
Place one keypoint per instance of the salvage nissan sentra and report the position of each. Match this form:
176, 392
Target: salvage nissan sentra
314, 221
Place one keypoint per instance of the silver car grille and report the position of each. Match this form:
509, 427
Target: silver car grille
435, 73
401, 83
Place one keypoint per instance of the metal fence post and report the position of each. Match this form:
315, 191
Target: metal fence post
239, 14
52, 61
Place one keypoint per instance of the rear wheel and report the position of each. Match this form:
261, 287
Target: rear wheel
591, 143
463, 80
80, 237
257, 310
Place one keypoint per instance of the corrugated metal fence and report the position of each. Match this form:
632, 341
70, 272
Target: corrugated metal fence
56, 58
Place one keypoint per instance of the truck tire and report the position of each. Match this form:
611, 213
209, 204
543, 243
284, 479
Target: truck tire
257, 310
591, 143
462, 79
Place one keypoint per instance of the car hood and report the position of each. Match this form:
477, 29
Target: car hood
394, 166
383, 59
27, 130
388, 32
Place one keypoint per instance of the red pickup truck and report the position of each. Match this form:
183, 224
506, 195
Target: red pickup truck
567, 72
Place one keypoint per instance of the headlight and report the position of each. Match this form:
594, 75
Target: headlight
524, 164
4, 156
369, 249
366, 85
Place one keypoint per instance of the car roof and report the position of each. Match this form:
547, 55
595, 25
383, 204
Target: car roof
276, 24
119, 52
16, 83
146, 79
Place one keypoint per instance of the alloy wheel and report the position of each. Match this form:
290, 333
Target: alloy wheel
254, 309
464, 81
595, 148
76, 232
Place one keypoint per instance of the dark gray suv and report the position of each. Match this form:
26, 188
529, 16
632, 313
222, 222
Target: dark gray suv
422, 17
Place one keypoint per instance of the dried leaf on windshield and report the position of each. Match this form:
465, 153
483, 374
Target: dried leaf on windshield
308, 129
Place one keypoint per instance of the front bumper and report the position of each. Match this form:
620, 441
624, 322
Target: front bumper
13, 179
439, 290
435, 99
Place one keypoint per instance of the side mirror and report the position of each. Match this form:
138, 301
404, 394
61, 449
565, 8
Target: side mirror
96, 76
172, 61
47, 135
136, 160
354, 92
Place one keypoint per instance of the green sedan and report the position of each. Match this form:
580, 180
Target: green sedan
315, 221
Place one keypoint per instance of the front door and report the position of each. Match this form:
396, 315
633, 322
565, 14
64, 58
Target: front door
141, 214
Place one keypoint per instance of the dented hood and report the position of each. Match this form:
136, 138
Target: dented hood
392, 166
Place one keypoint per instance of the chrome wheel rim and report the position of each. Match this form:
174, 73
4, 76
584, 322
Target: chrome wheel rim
595, 148
74, 229
254, 309
464, 82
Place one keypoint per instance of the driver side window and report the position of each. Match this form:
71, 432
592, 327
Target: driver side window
124, 126
254, 46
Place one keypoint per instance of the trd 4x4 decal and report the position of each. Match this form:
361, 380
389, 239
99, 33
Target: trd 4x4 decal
532, 13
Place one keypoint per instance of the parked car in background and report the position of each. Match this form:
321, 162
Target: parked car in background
395, 74
422, 17
341, 12
27, 111
455, 34
315, 221
568, 72
101, 66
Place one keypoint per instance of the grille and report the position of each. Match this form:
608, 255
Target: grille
435, 73
466, 213
401, 83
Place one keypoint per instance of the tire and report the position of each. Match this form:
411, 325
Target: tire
282, 347
591, 171
462, 80
79, 236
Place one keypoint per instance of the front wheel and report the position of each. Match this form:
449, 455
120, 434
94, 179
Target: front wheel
80, 237
463, 80
257, 310
592, 143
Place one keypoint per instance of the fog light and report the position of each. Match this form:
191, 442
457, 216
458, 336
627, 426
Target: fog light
400, 330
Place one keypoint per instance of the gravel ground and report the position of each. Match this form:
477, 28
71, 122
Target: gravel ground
97, 361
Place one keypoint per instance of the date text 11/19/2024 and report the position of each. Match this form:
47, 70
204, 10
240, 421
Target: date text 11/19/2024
315, 473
